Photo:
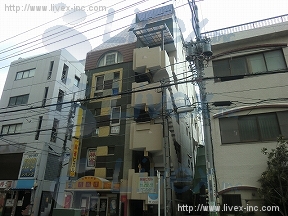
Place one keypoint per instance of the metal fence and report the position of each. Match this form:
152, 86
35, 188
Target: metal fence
246, 26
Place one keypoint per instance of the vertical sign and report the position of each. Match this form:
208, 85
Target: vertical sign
29, 163
74, 157
91, 157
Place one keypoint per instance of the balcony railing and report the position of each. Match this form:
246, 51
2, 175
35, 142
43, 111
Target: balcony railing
246, 26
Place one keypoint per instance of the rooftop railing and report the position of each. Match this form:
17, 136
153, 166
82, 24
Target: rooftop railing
246, 26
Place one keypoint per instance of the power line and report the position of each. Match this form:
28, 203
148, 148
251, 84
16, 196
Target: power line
134, 91
123, 79
41, 25
69, 30
9, 56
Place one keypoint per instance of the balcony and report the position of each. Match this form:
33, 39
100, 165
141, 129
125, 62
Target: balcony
152, 60
146, 136
149, 97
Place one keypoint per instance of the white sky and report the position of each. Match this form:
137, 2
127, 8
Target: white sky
216, 14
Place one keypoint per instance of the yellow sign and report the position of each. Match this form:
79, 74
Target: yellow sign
74, 157
92, 182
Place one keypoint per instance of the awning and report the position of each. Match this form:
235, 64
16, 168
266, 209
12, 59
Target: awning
24, 184
152, 35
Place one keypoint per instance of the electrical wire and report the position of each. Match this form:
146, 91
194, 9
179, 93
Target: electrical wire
11, 55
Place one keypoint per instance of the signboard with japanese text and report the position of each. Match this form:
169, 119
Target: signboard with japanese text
29, 163
146, 185
74, 157
91, 157
153, 198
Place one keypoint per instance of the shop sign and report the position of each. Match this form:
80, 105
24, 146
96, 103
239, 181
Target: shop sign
146, 185
5, 184
153, 198
29, 163
89, 182
91, 157
74, 157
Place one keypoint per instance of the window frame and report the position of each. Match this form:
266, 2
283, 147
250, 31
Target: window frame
230, 128
96, 85
60, 100
76, 81
50, 70
109, 54
111, 116
54, 131
28, 72
64, 74
228, 65
17, 99
15, 130
118, 58
45, 96
40, 120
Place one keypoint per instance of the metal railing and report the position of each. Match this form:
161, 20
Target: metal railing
246, 26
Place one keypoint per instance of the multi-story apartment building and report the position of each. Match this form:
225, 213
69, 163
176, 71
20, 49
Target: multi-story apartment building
138, 82
33, 125
247, 104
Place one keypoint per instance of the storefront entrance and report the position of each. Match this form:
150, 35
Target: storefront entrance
94, 206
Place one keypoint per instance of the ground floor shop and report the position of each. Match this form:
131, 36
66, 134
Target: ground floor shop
94, 196
14, 199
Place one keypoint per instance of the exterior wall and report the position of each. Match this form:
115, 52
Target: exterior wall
35, 87
93, 57
241, 164
141, 140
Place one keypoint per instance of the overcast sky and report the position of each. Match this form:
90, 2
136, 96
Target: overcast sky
24, 31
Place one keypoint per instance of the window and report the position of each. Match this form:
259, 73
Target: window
99, 83
18, 100
254, 63
115, 91
11, 129
76, 81
64, 73
115, 115
60, 100
54, 130
97, 111
116, 75
178, 151
45, 96
38, 127
111, 149
109, 173
98, 94
50, 70
253, 128
115, 129
25, 74
110, 58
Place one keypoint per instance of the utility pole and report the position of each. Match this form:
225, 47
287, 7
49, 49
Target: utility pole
198, 54
167, 193
63, 152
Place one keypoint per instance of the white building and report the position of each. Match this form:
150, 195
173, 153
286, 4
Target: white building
30, 149
250, 69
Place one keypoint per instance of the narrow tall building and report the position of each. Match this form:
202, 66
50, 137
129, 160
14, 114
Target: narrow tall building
33, 121
134, 123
